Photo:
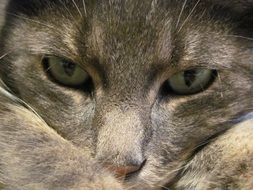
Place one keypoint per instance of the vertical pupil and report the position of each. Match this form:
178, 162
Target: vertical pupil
189, 77
69, 68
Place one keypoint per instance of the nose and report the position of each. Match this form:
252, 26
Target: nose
123, 171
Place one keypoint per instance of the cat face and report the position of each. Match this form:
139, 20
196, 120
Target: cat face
141, 83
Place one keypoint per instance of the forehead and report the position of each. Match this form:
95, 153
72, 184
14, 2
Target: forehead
131, 27
136, 24
132, 17
122, 31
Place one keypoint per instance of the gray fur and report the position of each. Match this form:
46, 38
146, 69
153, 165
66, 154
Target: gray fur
33, 156
129, 48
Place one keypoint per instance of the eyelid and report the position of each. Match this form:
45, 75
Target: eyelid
60, 57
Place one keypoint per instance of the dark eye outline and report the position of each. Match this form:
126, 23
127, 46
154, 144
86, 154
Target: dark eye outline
168, 90
87, 86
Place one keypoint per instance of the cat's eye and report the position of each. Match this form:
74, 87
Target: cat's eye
191, 81
65, 72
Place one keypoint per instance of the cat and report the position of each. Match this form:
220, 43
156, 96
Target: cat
126, 94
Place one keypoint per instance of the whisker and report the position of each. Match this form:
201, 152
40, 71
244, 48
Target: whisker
78, 27
237, 36
176, 170
181, 12
220, 83
187, 18
79, 11
164, 187
4, 55
71, 15
204, 143
8, 92
49, 68
131, 187
8, 53
66, 8
84, 8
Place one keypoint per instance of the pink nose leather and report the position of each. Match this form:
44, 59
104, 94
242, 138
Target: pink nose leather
122, 171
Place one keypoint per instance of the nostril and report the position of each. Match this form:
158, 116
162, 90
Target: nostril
123, 171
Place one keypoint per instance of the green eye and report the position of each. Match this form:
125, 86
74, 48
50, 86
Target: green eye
65, 72
191, 81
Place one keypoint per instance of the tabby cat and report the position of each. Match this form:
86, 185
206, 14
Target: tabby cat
126, 95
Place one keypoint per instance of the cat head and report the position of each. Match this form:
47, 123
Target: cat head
141, 83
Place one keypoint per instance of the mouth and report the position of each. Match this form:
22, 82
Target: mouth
149, 178
153, 176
